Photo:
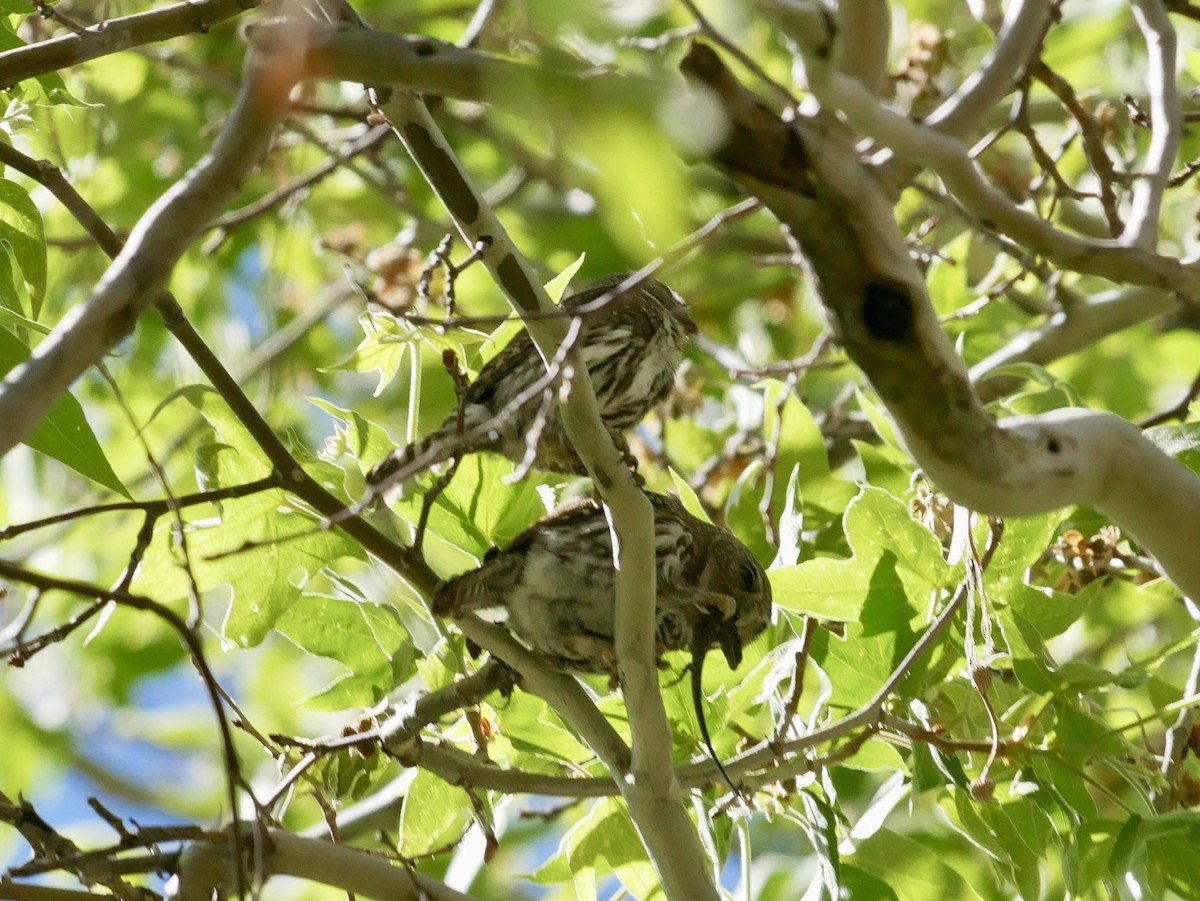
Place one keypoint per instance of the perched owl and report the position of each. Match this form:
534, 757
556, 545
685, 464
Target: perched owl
631, 347
555, 587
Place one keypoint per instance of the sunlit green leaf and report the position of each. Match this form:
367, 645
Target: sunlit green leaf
876, 524
63, 432
367, 639
21, 230
478, 510
912, 871
434, 814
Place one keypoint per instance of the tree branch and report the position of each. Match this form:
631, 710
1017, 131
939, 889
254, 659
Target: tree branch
648, 784
1078, 326
115, 35
951, 162
865, 54
161, 236
965, 111
404, 561
424, 65
1165, 123
204, 868
877, 302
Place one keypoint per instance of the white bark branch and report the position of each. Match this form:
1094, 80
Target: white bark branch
1077, 327
865, 55
559, 690
880, 312
114, 35
204, 869
1165, 123
967, 109
648, 783
425, 65
807, 24
167, 229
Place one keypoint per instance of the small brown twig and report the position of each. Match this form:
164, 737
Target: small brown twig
187, 635
153, 508
1093, 142
450, 362
1178, 410
799, 665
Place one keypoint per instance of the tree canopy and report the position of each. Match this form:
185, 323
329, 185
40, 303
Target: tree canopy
942, 262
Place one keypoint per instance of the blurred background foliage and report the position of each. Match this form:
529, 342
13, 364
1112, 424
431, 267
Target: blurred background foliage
303, 632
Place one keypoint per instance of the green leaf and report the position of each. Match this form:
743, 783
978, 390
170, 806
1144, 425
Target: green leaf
1127, 851
1051, 393
355, 435
1066, 785
1171, 851
690, 444
506, 331
21, 323
266, 547
435, 814
1025, 540
800, 450
558, 285
531, 727
1179, 441
820, 825
858, 883
21, 229
1049, 612
933, 769
947, 278
63, 433
878, 416
386, 341
876, 524
872, 647
913, 871
604, 841
886, 467
877, 756
368, 639
687, 495
48, 88
833, 590
245, 460
262, 546
1014, 834
478, 510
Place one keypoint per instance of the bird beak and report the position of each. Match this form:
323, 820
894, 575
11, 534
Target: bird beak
685, 319
680, 312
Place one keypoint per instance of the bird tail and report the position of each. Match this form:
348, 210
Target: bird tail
478, 589
402, 464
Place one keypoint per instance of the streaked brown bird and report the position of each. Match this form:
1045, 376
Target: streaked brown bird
631, 346
554, 587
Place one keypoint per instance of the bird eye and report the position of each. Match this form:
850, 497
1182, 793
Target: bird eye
748, 576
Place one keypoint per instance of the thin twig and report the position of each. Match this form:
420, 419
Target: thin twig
1178, 410
115, 35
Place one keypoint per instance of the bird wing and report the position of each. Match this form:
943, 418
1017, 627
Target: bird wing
491, 378
488, 585
480, 588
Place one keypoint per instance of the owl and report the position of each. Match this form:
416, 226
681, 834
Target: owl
631, 347
554, 587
